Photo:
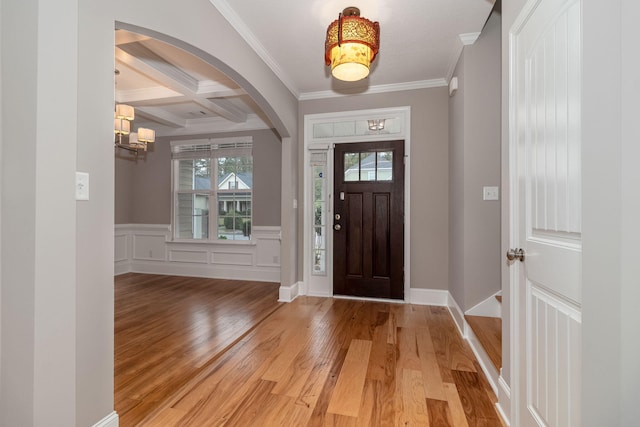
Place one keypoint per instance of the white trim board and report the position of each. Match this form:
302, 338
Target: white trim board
428, 297
490, 307
289, 293
110, 420
504, 400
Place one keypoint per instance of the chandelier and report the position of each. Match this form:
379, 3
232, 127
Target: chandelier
122, 118
351, 45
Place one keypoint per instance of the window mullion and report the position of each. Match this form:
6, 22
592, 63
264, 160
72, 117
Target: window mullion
213, 201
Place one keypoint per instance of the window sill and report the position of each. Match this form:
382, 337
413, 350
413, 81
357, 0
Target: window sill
214, 242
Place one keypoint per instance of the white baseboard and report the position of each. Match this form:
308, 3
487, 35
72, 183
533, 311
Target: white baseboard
121, 268
191, 270
504, 400
457, 314
289, 293
490, 307
110, 420
428, 297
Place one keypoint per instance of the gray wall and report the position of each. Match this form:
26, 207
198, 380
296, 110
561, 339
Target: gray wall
429, 174
123, 188
474, 156
38, 277
143, 187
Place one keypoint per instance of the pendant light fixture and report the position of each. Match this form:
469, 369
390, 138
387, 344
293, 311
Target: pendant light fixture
122, 117
351, 45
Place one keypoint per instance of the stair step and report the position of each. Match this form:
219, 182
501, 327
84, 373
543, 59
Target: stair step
488, 330
499, 298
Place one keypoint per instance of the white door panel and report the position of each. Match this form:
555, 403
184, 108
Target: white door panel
546, 211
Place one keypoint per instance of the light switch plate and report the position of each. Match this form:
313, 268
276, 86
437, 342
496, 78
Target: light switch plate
490, 193
82, 186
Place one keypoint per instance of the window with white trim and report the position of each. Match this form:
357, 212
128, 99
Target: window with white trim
212, 189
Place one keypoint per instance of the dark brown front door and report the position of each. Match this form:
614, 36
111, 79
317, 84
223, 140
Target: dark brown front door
368, 236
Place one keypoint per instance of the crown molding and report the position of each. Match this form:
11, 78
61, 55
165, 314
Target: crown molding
238, 24
469, 38
395, 87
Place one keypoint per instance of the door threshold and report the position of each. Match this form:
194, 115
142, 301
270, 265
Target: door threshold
393, 301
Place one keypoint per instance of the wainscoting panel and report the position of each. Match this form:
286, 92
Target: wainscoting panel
121, 247
198, 257
147, 248
231, 258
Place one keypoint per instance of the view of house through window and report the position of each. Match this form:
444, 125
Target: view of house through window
213, 187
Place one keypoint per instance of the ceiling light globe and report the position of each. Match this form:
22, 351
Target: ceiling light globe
350, 62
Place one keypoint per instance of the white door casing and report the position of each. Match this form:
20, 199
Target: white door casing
545, 175
321, 132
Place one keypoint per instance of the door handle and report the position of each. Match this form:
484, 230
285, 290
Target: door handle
337, 227
515, 254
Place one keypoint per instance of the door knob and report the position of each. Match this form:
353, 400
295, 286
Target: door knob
337, 227
515, 254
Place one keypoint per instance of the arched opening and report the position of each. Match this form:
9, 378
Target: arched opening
191, 99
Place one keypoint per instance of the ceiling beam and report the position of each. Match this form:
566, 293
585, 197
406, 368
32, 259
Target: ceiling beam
147, 62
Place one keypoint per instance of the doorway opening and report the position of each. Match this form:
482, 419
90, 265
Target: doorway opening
338, 148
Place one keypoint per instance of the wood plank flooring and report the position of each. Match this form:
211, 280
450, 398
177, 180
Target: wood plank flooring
167, 329
318, 362
488, 330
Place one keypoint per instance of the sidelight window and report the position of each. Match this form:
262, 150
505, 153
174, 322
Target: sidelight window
319, 190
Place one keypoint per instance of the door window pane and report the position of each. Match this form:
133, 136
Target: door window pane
352, 166
385, 165
368, 166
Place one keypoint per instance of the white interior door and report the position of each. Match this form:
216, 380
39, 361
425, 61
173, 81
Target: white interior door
545, 145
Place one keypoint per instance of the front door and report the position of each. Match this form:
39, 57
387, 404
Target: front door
545, 146
368, 236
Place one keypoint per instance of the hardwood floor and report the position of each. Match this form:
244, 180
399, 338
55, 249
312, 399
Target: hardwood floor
488, 330
313, 362
167, 329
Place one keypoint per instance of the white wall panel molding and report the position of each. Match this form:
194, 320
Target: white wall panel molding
110, 420
147, 248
